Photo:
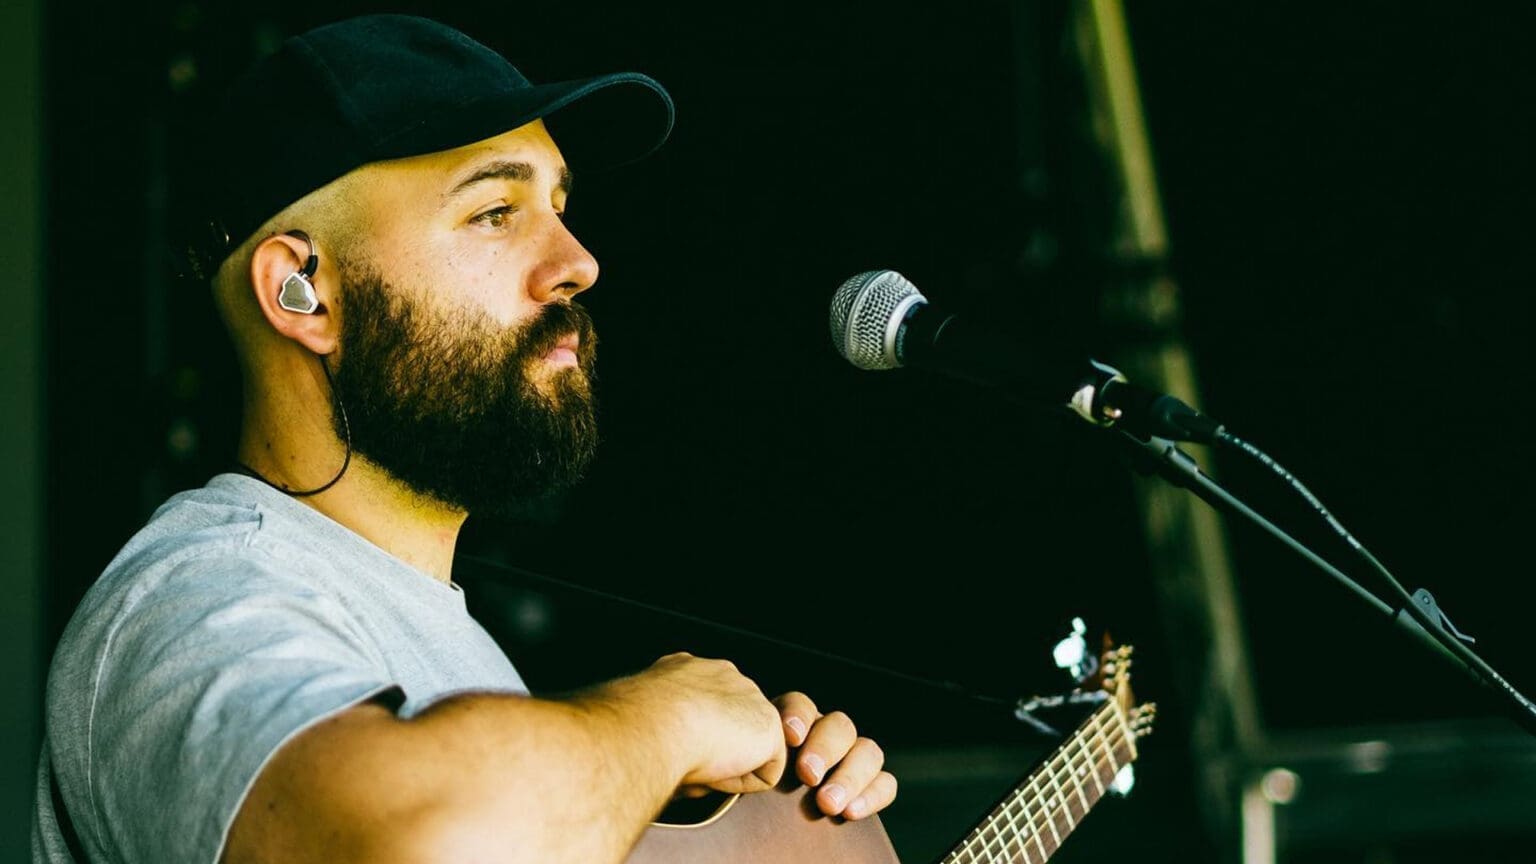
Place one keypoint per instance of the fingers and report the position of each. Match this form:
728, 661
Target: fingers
858, 785
799, 714
760, 779
876, 796
773, 770
827, 743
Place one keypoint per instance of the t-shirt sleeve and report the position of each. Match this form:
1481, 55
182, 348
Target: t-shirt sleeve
200, 681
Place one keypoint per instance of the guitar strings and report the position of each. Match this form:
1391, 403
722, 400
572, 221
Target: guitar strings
1012, 839
1040, 809
1040, 819
1084, 746
1102, 751
1112, 742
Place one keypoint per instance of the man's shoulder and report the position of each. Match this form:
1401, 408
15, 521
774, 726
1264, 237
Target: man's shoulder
198, 544
231, 521
199, 570
198, 633
206, 526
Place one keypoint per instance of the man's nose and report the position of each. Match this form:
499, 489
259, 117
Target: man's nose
567, 268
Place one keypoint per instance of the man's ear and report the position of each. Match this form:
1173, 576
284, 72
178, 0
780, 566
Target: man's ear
273, 262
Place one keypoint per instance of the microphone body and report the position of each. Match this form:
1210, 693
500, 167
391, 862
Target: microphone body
962, 347
881, 321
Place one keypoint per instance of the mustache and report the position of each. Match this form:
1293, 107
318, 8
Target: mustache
553, 323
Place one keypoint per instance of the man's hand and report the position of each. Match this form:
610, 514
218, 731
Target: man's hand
725, 731
848, 768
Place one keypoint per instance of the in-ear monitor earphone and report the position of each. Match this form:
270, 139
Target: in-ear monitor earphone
298, 293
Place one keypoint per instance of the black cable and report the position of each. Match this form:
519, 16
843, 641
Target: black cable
1212, 493
951, 687
1415, 604
1420, 621
1247, 449
346, 429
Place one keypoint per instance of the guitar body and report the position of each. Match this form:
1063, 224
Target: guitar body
781, 826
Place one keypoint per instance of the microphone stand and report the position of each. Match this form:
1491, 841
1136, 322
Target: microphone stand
1418, 615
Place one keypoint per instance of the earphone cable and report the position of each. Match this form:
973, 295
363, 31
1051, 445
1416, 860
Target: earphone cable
346, 428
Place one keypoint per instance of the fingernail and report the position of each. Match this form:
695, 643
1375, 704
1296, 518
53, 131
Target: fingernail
857, 808
814, 765
797, 726
835, 794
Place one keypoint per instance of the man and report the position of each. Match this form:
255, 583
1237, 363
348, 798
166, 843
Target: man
278, 667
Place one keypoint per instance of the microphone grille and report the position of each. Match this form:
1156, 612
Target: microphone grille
865, 313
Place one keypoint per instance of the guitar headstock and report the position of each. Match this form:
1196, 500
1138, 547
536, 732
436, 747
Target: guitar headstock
1109, 672
1115, 680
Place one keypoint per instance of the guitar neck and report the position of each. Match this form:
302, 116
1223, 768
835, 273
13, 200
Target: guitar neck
1033, 820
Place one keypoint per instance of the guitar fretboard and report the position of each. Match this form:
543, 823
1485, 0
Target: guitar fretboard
1035, 818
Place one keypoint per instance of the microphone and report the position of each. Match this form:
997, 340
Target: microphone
881, 321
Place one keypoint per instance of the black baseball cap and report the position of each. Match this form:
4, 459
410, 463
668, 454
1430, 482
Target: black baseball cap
381, 87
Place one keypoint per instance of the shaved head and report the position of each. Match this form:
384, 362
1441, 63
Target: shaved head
335, 217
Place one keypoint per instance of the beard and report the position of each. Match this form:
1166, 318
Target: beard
458, 408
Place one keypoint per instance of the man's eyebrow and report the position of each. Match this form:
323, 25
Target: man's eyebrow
502, 169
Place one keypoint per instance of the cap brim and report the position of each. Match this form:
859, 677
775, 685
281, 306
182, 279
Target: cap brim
598, 123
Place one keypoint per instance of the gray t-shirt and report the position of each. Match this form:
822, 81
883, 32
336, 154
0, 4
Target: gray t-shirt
234, 620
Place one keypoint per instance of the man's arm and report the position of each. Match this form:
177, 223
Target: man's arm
503, 778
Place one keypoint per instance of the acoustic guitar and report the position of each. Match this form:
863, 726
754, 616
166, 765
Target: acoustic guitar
1028, 826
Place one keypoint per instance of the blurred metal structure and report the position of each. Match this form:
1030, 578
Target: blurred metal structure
1456, 791
1267, 795
1187, 548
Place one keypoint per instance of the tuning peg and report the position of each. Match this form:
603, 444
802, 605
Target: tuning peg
1072, 654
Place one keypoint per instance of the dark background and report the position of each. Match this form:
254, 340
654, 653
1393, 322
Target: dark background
1347, 194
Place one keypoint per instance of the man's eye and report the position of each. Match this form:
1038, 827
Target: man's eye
496, 218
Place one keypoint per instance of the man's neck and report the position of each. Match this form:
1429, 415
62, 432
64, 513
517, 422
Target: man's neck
418, 530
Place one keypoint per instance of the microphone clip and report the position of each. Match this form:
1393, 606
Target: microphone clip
1147, 413
1089, 401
